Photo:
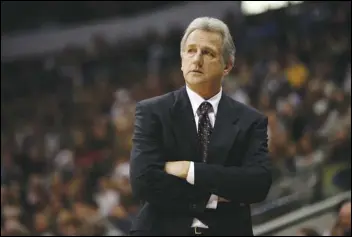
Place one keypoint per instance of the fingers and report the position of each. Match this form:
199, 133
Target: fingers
221, 199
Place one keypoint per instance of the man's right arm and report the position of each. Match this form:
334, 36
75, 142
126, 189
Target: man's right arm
149, 181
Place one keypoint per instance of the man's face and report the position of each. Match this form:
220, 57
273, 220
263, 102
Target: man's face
345, 215
202, 59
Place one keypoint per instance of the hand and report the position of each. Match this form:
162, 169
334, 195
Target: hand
177, 168
221, 199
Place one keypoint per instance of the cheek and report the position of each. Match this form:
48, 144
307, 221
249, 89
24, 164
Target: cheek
184, 63
215, 69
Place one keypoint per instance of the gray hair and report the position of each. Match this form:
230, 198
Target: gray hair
213, 25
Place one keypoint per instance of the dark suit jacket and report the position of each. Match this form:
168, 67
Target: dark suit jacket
238, 166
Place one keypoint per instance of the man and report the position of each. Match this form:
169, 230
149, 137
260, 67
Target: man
342, 226
199, 158
307, 231
344, 219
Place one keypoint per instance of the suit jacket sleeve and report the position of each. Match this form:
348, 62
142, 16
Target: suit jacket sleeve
149, 181
249, 183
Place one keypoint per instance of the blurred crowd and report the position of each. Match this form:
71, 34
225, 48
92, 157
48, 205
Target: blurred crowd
67, 119
51, 14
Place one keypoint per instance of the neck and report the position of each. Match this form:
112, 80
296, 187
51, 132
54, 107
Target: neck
205, 92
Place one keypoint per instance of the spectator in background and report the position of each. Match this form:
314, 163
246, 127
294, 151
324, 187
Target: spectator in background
345, 218
275, 84
296, 72
307, 231
342, 226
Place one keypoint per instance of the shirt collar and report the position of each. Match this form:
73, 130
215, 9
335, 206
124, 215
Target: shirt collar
196, 100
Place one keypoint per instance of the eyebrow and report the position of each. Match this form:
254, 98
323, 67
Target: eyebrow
203, 47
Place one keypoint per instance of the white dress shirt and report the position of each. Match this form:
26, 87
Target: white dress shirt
196, 100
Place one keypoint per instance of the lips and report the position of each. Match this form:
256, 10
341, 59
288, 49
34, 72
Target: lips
197, 71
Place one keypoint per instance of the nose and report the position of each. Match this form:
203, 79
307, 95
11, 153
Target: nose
198, 59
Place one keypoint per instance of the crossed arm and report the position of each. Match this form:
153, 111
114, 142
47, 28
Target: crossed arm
163, 184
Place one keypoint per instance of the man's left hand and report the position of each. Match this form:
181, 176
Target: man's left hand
177, 168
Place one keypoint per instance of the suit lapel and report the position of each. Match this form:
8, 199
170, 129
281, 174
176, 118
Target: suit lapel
184, 127
225, 131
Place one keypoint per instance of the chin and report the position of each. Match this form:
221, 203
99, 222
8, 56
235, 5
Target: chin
196, 80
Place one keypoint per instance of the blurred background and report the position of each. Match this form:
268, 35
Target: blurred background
72, 72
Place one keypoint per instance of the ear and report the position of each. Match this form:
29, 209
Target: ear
228, 67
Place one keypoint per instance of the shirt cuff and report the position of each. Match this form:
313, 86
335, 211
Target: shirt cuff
190, 175
213, 202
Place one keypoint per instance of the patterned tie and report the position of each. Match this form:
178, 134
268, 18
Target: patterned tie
204, 128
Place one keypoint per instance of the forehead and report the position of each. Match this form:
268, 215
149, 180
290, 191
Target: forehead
204, 38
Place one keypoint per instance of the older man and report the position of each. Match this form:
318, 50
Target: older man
199, 158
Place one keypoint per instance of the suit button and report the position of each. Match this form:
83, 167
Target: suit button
194, 206
242, 205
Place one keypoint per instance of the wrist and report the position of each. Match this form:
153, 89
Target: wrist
185, 169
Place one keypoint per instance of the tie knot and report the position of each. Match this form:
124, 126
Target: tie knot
204, 108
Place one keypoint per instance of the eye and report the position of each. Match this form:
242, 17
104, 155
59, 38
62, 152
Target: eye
191, 50
208, 52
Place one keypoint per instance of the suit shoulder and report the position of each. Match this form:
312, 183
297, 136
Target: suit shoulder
248, 111
157, 101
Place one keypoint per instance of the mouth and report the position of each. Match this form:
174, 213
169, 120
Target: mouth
196, 71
